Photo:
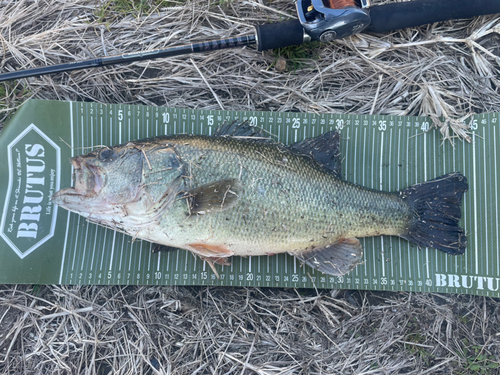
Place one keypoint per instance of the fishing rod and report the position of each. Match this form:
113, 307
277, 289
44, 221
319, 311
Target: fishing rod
323, 20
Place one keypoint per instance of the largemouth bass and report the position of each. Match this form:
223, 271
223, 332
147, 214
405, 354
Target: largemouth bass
235, 194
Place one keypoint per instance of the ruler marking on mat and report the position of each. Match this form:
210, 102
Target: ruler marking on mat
474, 179
398, 187
465, 202
425, 179
390, 189
408, 274
372, 185
496, 195
485, 200
417, 165
381, 188
67, 213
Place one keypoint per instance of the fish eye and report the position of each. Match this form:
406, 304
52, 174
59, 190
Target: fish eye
105, 154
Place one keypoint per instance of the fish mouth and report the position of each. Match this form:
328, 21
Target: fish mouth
87, 181
87, 178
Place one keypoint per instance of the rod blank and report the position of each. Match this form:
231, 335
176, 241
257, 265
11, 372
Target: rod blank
129, 57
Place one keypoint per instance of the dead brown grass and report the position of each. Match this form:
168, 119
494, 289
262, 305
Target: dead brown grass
448, 70
194, 330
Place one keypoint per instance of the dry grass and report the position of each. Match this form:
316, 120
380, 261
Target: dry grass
194, 330
448, 70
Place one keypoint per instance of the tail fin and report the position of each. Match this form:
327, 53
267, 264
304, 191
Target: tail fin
436, 208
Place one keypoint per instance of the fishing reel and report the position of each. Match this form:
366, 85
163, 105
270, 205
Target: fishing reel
327, 20
323, 20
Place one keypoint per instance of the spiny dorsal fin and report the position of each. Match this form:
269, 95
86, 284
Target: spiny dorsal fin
324, 149
335, 259
242, 130
215, 197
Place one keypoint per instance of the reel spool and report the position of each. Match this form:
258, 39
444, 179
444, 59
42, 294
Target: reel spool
326, 20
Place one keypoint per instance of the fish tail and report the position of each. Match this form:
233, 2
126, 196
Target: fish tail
436, 212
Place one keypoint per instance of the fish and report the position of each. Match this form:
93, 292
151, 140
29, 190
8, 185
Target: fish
240, 193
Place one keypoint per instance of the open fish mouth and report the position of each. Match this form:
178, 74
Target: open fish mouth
87, 181
87, 178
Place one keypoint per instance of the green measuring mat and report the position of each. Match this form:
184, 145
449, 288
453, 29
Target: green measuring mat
41, 243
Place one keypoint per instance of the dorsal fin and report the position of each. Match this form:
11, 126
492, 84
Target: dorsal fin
242, 130
324, 149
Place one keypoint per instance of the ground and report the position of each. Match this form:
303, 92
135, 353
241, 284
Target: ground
447, 70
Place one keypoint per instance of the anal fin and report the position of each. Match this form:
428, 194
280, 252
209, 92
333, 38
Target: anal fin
335, 259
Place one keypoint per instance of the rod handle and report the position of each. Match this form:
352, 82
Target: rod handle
397, 16
280, 34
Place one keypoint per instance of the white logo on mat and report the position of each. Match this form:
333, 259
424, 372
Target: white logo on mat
29, 216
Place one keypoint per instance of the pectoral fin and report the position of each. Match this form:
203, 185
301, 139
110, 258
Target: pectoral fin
215, 197
334, 259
